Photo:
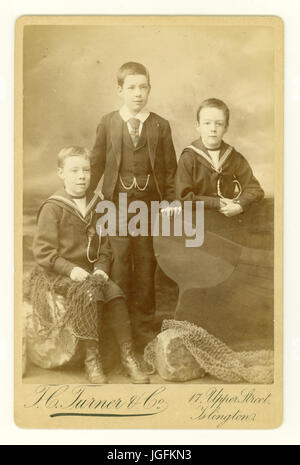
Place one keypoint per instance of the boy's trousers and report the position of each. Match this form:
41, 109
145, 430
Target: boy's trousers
133, 269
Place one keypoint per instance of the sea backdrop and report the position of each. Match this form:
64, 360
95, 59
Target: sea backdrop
70, 83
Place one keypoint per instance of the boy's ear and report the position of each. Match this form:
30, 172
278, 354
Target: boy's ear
120, 88
60, 173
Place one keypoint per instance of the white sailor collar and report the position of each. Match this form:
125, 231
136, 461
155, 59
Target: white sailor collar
126, 115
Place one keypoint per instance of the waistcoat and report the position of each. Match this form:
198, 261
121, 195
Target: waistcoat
135, 165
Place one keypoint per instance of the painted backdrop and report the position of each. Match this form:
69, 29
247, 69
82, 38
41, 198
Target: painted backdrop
70, 82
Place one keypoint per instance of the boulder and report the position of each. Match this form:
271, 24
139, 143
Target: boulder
173, 361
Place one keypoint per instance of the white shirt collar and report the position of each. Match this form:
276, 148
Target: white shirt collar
126, 115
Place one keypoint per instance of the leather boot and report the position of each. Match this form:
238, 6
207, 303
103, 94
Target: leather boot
131, 364
93, 365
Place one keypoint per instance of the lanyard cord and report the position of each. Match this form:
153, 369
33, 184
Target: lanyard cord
91, 260
235, 181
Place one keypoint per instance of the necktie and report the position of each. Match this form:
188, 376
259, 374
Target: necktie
134, 133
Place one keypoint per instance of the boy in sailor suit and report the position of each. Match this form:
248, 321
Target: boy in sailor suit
67, 244
213, 171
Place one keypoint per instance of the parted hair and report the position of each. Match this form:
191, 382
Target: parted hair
72, 151
214, 103
131, 68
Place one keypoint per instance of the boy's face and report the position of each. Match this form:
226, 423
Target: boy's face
76, 174
212, 126
135, 92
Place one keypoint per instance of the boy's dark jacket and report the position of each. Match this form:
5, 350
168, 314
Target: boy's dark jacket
107, 154
196, 179
62, 236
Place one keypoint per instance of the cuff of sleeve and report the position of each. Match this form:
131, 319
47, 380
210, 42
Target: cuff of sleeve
213, 203
243, 203
102, 267
63, 267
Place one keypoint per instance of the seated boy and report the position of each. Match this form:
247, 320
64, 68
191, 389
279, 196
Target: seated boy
67, 244
211, 170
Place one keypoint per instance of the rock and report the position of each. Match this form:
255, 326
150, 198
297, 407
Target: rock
59, 347
173, 361
48, 348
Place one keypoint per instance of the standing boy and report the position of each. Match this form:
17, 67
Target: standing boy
135, 152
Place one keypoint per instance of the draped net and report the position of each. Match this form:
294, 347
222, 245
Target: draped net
80, 302
215, 357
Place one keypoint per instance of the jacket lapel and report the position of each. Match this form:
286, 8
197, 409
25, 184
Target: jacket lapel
152, 128
116, 136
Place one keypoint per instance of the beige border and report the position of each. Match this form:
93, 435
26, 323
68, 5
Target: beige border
169, 406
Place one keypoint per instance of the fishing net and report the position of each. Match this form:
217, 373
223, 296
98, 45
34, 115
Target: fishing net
213, 356
43, 290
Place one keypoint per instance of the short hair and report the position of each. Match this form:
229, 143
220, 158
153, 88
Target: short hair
72, 151
214, 103
131, 68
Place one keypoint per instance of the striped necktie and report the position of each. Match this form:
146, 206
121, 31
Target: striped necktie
134, 133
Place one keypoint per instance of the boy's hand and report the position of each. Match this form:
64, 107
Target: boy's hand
78, 274
224, 201
170, 211
230, 208
103, 274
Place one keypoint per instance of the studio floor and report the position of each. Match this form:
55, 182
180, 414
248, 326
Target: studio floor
71, 375
166, 300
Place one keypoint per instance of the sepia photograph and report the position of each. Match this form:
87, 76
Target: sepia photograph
149, 162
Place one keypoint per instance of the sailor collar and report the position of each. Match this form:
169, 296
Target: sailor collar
66, 199
201, 151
